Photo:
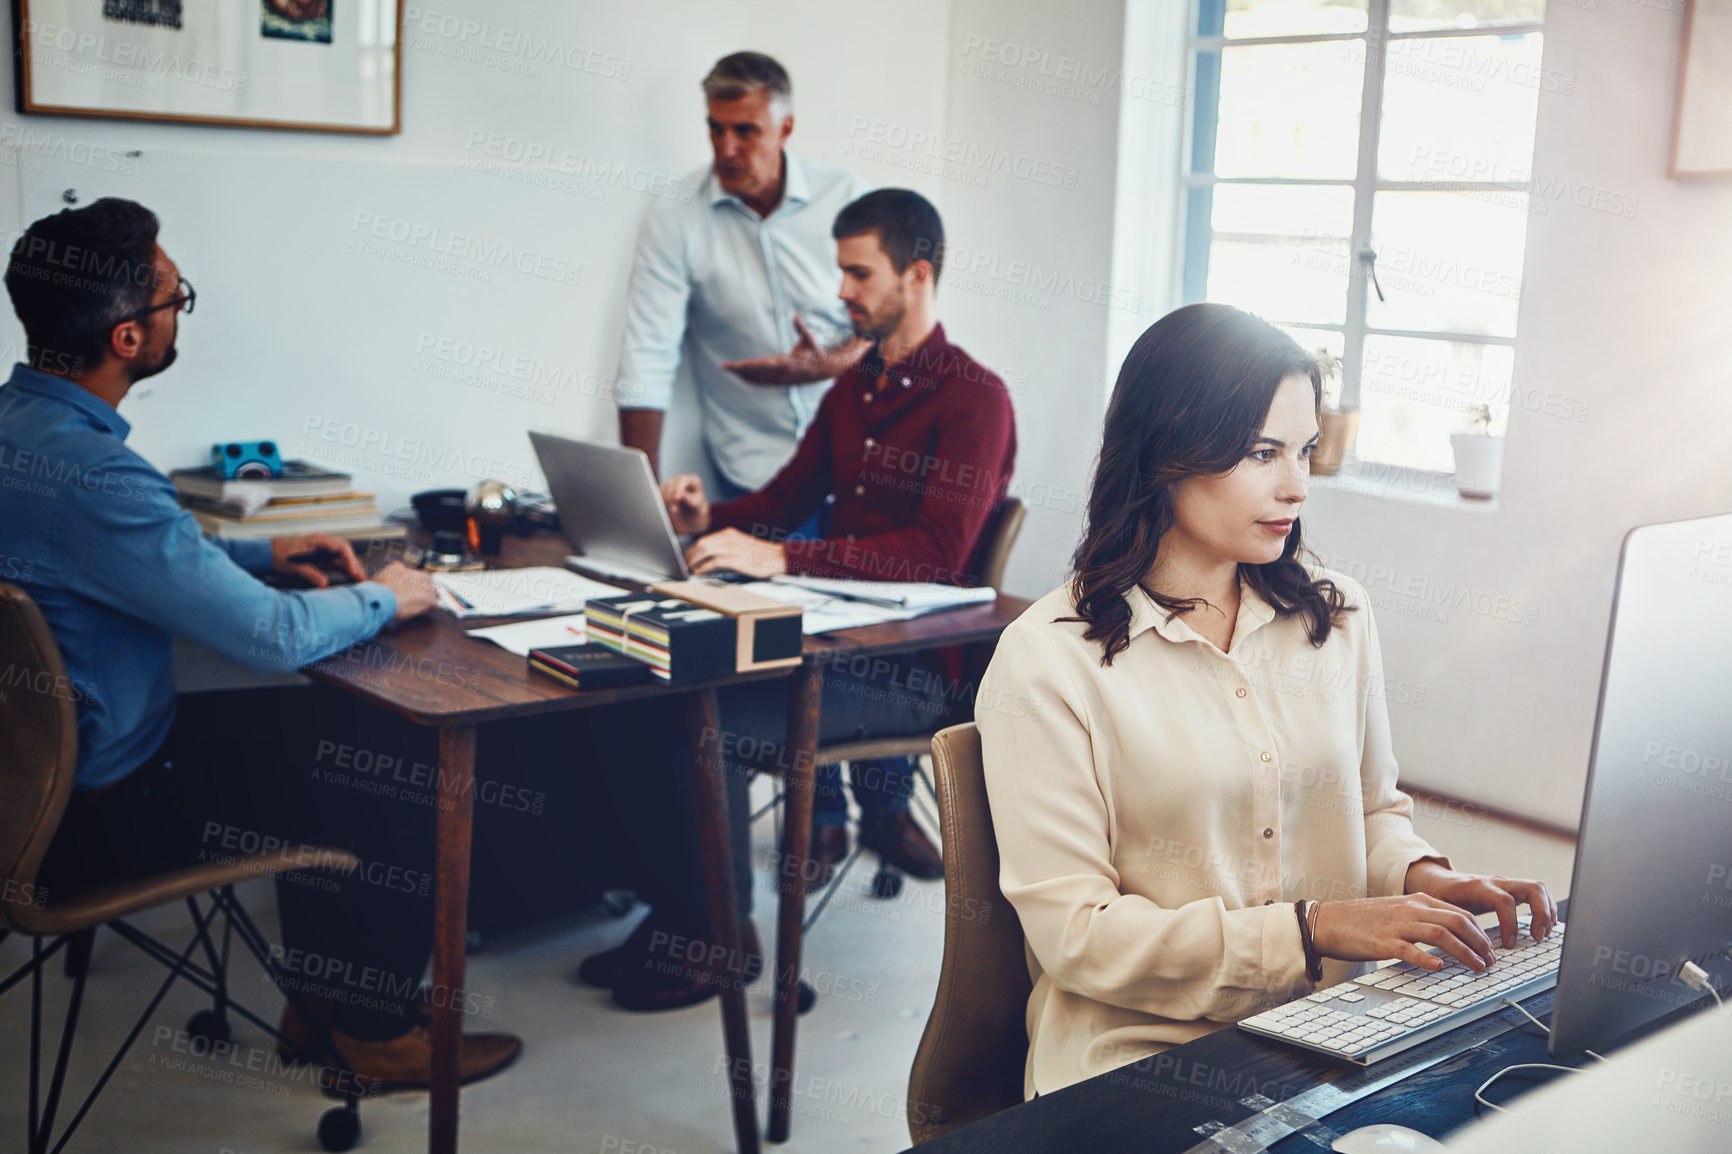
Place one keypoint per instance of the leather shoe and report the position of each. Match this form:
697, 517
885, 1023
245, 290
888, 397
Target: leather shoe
610, 967
401, 1063
829, 849
902, 843
687, 973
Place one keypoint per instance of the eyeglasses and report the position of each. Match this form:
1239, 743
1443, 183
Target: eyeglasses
184, 300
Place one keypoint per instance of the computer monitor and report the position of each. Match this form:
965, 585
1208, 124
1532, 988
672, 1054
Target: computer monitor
1653, 875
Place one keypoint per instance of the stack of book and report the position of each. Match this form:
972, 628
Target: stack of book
679, 641
589, 666
305, 499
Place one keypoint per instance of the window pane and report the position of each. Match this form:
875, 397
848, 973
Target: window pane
1329, 343
1281, 279
1281, 252
1448, 261
1460, 108
1289, 17
1290, 211
1287, 109
1423, 15
1414, 393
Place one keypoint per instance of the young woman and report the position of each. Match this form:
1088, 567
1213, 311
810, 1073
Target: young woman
1187, 747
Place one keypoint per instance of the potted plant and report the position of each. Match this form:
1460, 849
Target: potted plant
1336, 426
1478, 457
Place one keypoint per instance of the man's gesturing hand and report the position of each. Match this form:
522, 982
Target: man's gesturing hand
688, 508
808, 362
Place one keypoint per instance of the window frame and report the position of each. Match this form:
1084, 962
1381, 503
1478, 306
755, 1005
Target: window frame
1203, 57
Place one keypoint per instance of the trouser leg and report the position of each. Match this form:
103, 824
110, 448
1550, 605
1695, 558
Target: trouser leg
235, 778
357, 779
882, 786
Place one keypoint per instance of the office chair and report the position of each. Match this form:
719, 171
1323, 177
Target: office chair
37, 761
971, 1056
988, 561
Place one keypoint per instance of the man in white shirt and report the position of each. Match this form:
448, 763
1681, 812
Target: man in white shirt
744, 270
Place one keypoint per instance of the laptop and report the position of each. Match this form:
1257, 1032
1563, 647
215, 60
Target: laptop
610, 511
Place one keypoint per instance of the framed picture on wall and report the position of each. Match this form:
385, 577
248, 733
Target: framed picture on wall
1702, 124
304, 65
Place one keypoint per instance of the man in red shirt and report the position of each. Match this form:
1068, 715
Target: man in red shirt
906, 459
912, 450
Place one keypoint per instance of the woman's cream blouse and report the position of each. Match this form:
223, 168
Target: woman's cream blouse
1157, 818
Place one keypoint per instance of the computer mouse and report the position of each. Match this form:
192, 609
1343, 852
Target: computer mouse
1385, 1138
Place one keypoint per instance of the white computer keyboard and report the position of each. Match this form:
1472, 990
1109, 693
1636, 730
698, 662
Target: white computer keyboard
1400, 1006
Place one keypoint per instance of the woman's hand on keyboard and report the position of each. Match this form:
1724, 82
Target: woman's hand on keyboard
1371, 929
1479, 893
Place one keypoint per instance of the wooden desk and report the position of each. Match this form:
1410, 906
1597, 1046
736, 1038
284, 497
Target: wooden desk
429, 672
1155, 1106
412, 670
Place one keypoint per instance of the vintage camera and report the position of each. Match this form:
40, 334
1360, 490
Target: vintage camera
247, 460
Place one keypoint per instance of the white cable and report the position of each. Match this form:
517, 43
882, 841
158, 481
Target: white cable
1523, 1011
1696, 978
1477, 1094
1519, 1008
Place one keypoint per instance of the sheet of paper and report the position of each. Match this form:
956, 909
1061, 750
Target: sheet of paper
822, 614
516, 592
927, 597
520, 637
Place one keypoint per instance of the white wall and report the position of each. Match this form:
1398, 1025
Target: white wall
1626, 313
1028, 284
302, 331
294, 328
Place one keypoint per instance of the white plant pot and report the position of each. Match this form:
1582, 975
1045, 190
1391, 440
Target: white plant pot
1478, 464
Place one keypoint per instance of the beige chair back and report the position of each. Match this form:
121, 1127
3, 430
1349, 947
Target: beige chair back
971, 1057
38, 755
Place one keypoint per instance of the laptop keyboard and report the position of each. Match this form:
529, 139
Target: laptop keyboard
1399, 1006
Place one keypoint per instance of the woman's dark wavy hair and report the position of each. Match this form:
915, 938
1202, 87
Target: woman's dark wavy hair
1190, 401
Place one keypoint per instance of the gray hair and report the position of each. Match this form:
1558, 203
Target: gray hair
743, 72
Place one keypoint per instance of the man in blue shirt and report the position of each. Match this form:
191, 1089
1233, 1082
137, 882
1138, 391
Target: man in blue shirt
732, 276
119, 569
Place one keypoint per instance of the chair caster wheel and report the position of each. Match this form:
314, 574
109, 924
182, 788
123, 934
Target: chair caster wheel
886, 884
805, 998
340, 1128
209, 1025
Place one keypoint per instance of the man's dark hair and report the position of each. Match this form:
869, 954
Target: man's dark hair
74, 275
743, 72
907, 225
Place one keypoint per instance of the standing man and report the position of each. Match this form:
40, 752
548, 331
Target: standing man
744, 270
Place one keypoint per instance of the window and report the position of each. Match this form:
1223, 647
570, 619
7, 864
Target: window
1359, 174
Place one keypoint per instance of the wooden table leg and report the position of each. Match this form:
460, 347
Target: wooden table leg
805, 689
450, 926
703, 727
